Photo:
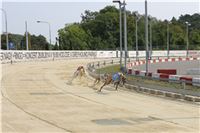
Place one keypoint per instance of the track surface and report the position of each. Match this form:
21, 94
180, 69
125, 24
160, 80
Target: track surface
38, 98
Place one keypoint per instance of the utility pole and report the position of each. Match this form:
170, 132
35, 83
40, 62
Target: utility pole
168, 40
26, 36
187, 37
6, 24
136, 36
146, 36
125, 36
150, 27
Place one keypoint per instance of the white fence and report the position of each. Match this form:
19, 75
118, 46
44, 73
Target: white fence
18, 56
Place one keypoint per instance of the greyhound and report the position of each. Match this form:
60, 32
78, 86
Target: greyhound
115, 79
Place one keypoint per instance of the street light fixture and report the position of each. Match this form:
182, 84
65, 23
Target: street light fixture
49, 30
6, 24
125, 31
120, 27
187, 36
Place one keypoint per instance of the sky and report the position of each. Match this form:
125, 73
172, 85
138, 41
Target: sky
61, 12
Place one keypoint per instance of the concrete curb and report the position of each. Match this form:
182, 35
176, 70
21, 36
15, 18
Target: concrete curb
162, 93
154, 91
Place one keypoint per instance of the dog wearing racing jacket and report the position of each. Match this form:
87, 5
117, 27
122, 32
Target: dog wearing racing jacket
115, 79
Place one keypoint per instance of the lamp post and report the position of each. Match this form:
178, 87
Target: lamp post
125, 35
146, 36
49, 30
6, 24
187, 36
150, 37
120, 27
136, 35
26, 35
168, 39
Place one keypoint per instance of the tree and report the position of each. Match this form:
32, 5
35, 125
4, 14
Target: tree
73, 37
100, 30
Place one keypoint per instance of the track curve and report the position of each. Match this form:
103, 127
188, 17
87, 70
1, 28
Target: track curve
40, 93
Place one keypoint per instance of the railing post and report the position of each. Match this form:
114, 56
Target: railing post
183, 82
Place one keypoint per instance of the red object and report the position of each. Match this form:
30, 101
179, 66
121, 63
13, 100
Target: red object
173, 59
164, 76
167, 71
149, 74
129, 71
187, 79
137, 72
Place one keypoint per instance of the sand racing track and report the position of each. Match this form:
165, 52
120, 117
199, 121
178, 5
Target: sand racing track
37, 98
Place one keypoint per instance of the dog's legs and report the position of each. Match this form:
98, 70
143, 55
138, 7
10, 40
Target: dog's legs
102, 87
117, 83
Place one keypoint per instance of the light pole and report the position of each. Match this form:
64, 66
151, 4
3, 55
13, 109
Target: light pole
168, 39
6, 24
187, 36
49, 30
26, 35
136, 35
120, 27
0, 40
125, 35
150, 37
146, 36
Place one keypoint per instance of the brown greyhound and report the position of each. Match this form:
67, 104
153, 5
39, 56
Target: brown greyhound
79, 72
116, 79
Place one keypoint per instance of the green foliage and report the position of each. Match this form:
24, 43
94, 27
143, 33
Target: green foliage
35, 42
73, 37
100, 30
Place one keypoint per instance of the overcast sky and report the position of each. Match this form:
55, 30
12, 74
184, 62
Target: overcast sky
59, 13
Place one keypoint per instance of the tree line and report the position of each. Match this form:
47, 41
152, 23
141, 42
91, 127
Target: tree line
100, 31
35, 42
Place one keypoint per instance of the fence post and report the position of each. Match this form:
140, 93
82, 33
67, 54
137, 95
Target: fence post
183, 82
104, 63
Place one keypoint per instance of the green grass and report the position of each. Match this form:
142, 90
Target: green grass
146, 81
109, 69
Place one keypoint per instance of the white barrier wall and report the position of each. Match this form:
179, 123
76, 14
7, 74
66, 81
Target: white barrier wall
106, 54
17, 56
